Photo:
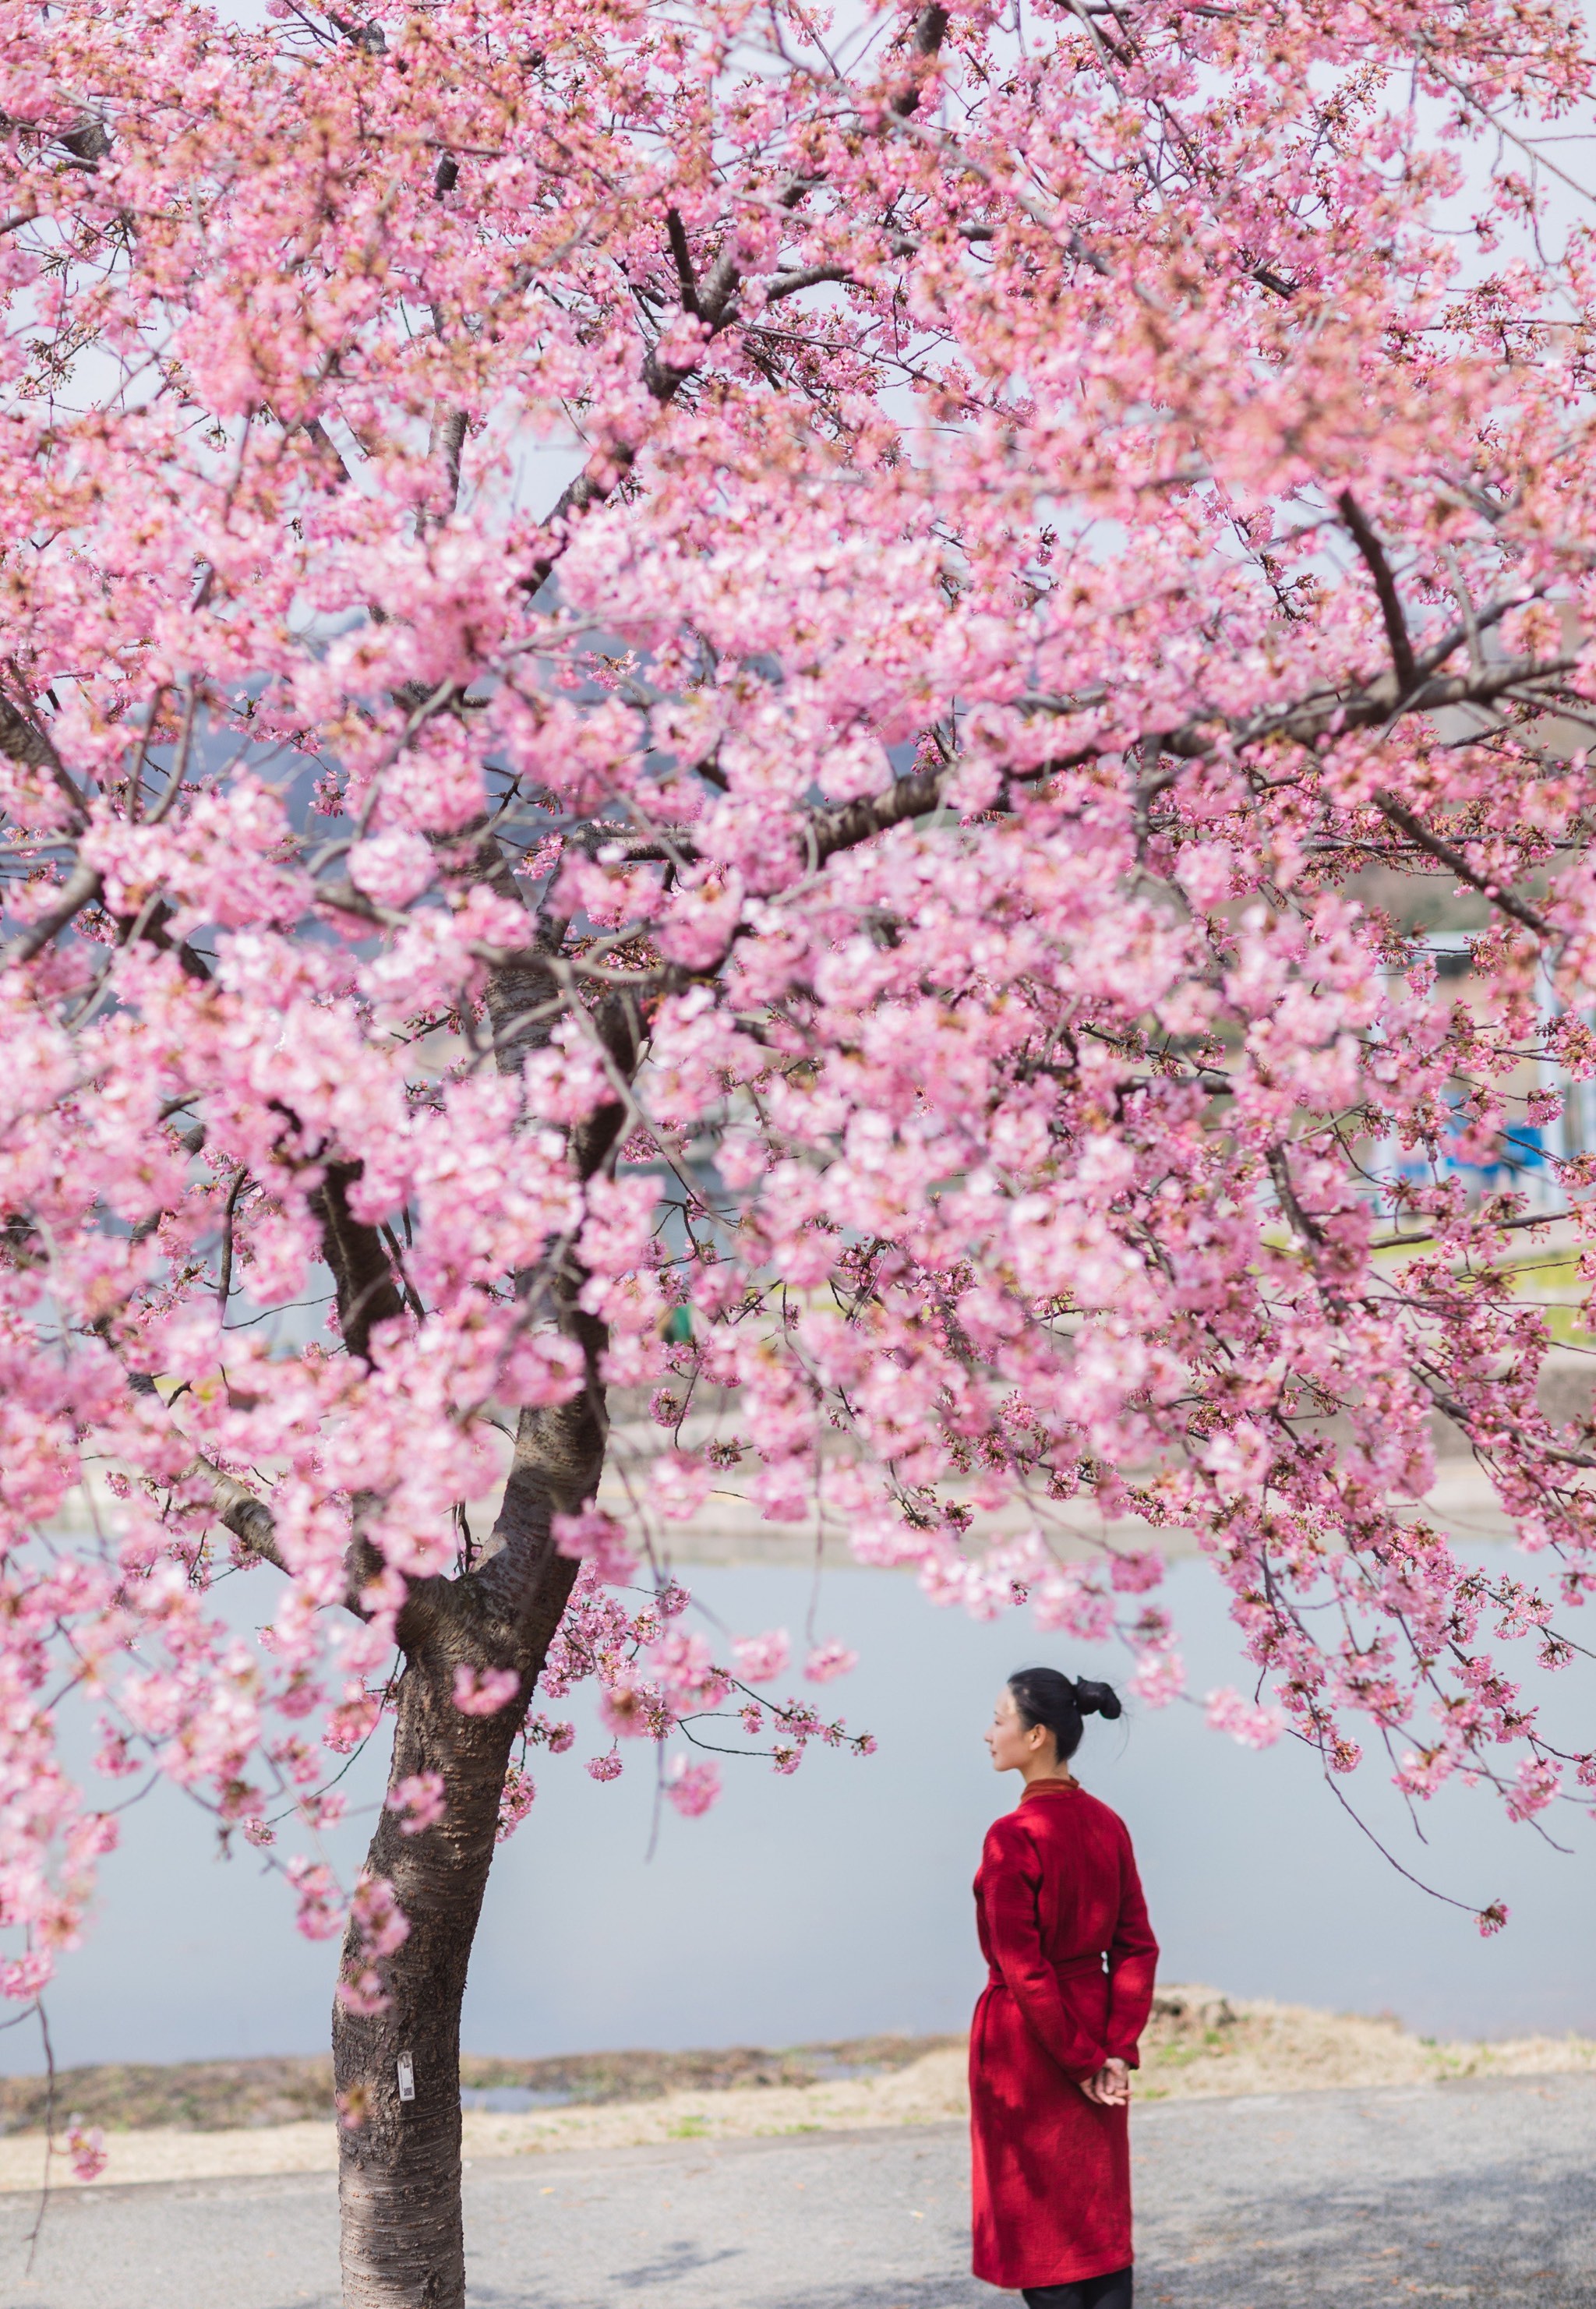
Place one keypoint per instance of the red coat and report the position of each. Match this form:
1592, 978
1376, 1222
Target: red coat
1058, 1893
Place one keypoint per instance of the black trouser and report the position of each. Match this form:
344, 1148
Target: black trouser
1110, 2292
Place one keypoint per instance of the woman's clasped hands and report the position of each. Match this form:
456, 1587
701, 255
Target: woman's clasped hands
1110, 2088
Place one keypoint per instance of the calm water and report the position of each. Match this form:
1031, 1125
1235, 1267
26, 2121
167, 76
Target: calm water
838, 1903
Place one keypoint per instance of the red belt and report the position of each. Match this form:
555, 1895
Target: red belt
1067, 1968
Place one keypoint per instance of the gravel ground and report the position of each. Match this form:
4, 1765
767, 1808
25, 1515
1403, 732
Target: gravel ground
1480, 2192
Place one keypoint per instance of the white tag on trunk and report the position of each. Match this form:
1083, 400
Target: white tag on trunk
407, 2077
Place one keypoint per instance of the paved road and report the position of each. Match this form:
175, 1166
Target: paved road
1482, 2194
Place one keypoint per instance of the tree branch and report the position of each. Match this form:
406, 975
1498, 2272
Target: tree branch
82, 887
809, 276
362, 1273
1467, 1421
1420, 835
684, 259
248, 1517
426, 1604
22, 741
713, 302
1303, 724
854, 822
559, 1447
929, 31
826, 833
1391, 609
1307, 1230
445, 444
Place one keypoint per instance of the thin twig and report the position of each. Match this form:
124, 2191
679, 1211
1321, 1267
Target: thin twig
49, 2134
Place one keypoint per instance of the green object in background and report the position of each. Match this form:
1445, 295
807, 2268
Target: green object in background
678, 1327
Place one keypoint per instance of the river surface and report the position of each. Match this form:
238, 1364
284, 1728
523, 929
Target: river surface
837, 1903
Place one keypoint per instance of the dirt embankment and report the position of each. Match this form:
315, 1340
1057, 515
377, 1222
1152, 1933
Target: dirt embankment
222, 2095
197, 2119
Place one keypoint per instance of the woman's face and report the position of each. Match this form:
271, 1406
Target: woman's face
1012, 1743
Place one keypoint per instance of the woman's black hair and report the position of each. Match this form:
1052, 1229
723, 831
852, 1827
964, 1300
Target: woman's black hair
1044, 1696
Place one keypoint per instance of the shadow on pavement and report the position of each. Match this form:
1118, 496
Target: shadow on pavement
1505, 2236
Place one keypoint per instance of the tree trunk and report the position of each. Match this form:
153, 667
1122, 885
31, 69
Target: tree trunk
399, 2160
399, 2164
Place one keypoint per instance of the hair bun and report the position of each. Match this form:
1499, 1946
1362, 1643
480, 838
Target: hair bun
1097, 1699
1043, 1696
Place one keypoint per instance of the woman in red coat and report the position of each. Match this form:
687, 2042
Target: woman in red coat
1063, 1930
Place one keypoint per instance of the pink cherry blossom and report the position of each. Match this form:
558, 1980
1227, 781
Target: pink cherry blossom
1159, 1679
320, 1914
378, 1926
692, 1788
683, 1665
391, 867
419, 1800
1251, 1727
592, 1535
1536, 1784
678, 1485
830, 1659
484, 1692
86, 2148
515, 1803
378, 1915
760, 1659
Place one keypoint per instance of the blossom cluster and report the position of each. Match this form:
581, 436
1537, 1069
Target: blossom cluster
654, 1679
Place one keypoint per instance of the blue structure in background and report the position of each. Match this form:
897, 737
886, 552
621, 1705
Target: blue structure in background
1530, 1154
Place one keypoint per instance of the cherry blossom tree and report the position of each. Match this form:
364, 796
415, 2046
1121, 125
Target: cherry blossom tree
698, 707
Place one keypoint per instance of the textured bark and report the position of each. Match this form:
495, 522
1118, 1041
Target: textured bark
367, 1293
399, 2185
400, 2170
